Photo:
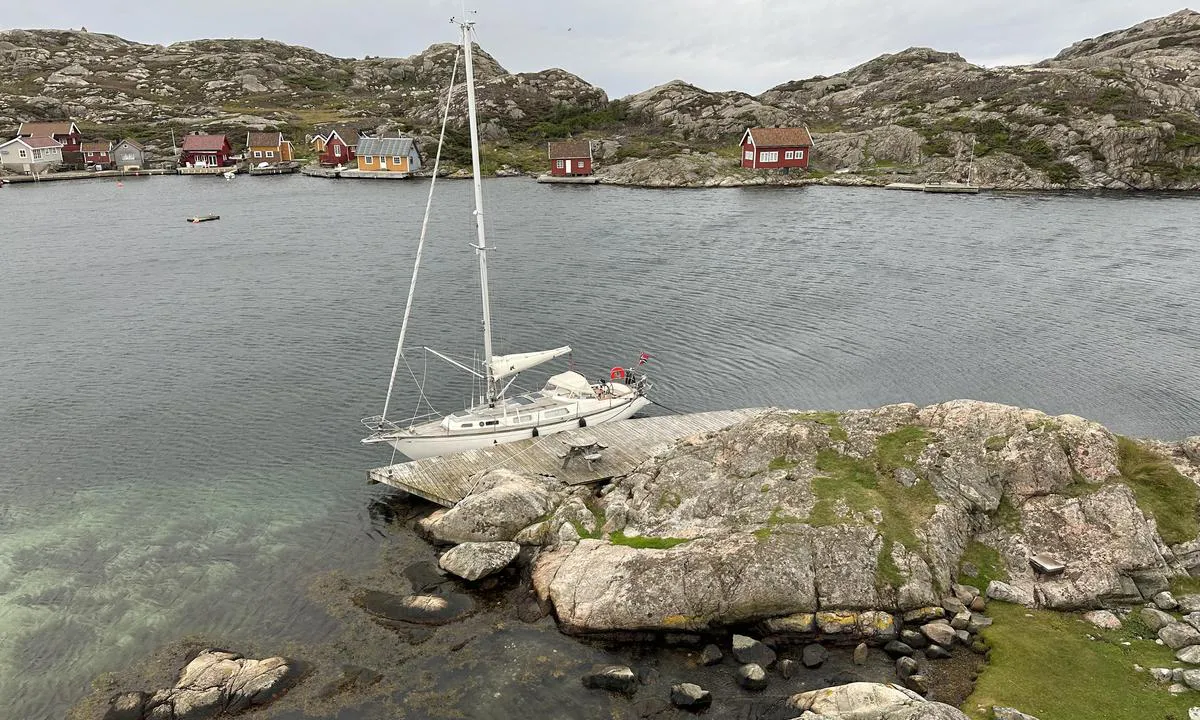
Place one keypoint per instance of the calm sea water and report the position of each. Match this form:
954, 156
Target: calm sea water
179, 403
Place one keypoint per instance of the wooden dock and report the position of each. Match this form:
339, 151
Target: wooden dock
448, 479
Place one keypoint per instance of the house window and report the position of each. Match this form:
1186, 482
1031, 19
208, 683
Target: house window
270, 153
772, 156
749, 155
24, 154
787, 155
560, 164
396, 160
258, 153
799, 154
337, 150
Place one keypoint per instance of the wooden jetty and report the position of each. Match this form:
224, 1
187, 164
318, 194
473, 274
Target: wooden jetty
569, 179
207, 170
448, 479
276, 169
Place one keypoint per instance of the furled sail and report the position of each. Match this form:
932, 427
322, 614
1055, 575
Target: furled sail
505, 365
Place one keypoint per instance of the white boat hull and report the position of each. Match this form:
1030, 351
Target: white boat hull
418, 447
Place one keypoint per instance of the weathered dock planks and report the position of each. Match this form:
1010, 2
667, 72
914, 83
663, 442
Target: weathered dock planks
448, 479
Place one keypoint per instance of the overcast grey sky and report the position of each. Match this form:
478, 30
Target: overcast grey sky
626, 46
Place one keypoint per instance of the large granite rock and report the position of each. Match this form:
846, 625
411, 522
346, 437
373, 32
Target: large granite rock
471, 561
503, 504
872, 701
215, 683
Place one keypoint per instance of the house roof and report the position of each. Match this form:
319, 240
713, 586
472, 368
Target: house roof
36, 143
96, 147
570, 149
779, 137
349, 135
192, 143
47, 129
385, 146
132, 143
264, 139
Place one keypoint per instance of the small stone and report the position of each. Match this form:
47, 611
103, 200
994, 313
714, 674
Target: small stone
747, 650
1189, 654
897, 649
690, 696
126, 706
861, 651
1165, 601
965, 593
1007, 713
1162, 675
1008, 593
978, 622
906, 667
814, 655
752, 677
913, 639
1191, 678
1103, 619
979, 604
1155, 619
923, 615
1178, 689
939, 633
1177, 674
648, 676
474, 560
953, 605
1178, 635
961, 620
917, 683
616, 678
1188, 603
711, 655
1193, 619
937, 652
963, 637
1194, 713
786, 668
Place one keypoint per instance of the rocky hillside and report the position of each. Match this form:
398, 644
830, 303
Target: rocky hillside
1118, 111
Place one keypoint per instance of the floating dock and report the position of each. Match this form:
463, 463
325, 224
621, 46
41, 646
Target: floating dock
278, 169
448, 479
569, 179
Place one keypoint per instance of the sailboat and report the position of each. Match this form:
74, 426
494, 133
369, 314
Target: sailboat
567, 401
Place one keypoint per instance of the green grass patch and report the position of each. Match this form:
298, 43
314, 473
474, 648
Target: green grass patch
857, 483
1042, 424
1185, 585
599, 516
642, 542
995, 443
1007, 515
773, 522
829, 419
1043, 663
782, 463
1160, 490
980, 565
901, 448
887, 573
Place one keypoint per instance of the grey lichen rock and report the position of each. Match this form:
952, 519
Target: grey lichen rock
690, 696
1155, 618
615, 678
861, 653
473, 560
814, 655
711, 655
1103, 619
1004, 592
220, 682
939, 633
1178, 635
1007, 713
862, 700
504, 504
1165, 601
1189, 654
748, 651
752, 677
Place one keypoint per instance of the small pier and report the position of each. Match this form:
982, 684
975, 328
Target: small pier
209, 170
448, 479
278, 169
569, 179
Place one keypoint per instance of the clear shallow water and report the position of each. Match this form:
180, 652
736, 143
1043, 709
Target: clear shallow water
179, 404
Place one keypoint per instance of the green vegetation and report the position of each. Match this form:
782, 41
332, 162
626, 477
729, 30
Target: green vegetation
1007, 515
995, 443
986, 563
1043, 663
566, 120
1043, 425
887, 573
1160, 490
1186, 585
901, 448
994, 135
774, 522
782, 463
642, 542
829, 419
599, 517
859, 485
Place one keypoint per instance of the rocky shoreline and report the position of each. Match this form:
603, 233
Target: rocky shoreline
821, 565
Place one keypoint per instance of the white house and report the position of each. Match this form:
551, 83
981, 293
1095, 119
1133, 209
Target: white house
31, 154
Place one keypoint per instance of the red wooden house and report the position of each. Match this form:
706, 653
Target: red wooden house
341, 146
205, 151
97, 153
572, 157
776, 148
64, 131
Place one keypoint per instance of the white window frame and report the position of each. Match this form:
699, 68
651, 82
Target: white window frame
748, 155
560, 165
395, 159
799, 154
23, 154
767, 156
337, 150
787, 155
269, 153
258, 153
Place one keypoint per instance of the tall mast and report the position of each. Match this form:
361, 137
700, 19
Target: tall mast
482, 248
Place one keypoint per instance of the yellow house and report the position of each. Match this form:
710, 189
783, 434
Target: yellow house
268, 148
318, 143
396, 154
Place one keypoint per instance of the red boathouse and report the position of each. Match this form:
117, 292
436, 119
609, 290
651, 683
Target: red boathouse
571, 157
205, 151
776, 148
